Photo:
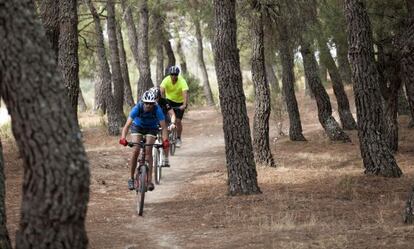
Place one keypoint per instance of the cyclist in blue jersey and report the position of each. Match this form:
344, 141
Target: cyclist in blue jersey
144, 119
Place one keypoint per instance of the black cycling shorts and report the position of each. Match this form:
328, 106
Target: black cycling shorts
179, 114
137, 130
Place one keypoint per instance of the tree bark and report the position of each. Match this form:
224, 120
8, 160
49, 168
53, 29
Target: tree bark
377, 156
128, 99
68, 61
114, 116
159, 38
343, 64
261, 147
345, 115
56, 171
272, 78
170, 55
332, 129
131, 30
288, 79
144, 81
406, 48
99, 98
4, 234
116, 121
200, 57
181, 54
241, 168
49, 13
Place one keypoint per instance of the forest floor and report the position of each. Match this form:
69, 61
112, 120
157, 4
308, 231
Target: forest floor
316, 197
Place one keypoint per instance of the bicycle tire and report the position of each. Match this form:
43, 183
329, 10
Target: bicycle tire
141, 190
160, 162
173, 140
155, 165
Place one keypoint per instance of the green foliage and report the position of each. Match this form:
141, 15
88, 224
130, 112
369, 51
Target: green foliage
195, 89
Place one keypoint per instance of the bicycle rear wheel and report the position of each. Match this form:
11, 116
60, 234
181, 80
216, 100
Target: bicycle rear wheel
141, 190
173, 138
156, 165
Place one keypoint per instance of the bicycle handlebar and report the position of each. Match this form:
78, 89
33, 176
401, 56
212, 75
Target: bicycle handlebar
142, 144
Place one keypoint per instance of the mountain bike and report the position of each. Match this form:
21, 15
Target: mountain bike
141, 174
172, 136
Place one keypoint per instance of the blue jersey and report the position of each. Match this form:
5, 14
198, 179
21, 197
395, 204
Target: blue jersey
147, 120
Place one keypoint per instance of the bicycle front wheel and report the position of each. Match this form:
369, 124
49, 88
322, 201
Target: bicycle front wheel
173, 138
156, 165
141, 190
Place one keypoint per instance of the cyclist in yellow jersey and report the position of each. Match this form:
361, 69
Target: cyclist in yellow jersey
175, 89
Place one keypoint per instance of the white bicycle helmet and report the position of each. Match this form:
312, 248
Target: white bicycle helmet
156, 91
148, 97
174, 70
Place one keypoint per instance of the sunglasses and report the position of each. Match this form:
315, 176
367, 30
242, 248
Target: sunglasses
174, 74
148, 103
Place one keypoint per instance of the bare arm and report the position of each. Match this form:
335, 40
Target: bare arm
185, 103
126, 127
172, 115
162, 90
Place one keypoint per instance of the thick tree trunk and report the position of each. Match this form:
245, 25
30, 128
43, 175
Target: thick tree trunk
49, 13
128, 99
68, 49
377, 156
261, 148
144, 81
328, 122
170, 55
81, 102
200, 57
116, 121
288, 80
131, 30
159, 38
4, 234
241, 168
56, 171
180, 52
345, 115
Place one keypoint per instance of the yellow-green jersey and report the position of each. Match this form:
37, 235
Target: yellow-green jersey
175, 91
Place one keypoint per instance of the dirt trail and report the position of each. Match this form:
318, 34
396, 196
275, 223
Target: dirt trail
112, 220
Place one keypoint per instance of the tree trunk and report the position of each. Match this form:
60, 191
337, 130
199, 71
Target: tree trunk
4, 234
82, 107
288, 81
131, 30
116, 121
181, 54
241, 168
403, 106
170, 55
56, 171
332, 128
376, 155
261, 148
68, 62
345, 115
144, 81
159, 38
49, 13
128, 99
271, 77
409, 208
99, 99
342, 57
323, 72
114, 118
406, 46
200, 57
